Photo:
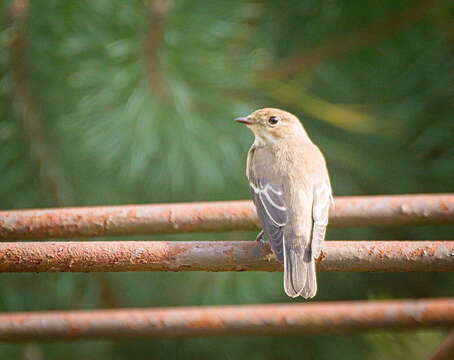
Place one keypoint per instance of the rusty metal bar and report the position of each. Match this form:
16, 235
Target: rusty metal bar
446, 349
288, 319
219, 256
395, 210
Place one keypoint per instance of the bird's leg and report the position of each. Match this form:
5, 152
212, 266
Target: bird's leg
259, 236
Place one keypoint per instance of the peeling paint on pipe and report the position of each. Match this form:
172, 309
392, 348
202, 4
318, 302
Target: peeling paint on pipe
219, 256
282, 319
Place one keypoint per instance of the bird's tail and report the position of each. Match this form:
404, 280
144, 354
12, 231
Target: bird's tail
299, 270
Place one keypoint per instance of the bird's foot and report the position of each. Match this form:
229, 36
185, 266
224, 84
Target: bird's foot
259, 237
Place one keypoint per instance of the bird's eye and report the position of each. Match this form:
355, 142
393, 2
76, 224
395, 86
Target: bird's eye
273, 120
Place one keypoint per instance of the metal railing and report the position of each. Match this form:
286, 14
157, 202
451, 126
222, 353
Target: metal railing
276, 319
105, 256
350, 211
102, 256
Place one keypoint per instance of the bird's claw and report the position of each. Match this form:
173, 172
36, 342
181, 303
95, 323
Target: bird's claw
259, 237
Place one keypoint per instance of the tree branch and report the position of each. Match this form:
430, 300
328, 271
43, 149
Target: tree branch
158, 13
52, 179
344, 44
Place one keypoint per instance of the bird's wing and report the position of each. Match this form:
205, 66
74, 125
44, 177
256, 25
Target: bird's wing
268, 198
320, 213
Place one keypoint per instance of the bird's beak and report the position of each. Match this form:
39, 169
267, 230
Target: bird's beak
245, 120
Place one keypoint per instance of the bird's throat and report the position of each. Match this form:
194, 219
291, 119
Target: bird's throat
263, 139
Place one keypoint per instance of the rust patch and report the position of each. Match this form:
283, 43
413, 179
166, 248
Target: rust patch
321, 257
206, 321
443, 207
228, 252
422, 251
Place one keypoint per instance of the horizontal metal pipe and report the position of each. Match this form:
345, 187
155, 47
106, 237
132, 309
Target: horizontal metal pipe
289, 319
395, 210
219, 256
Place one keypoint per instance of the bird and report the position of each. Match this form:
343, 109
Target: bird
291, 190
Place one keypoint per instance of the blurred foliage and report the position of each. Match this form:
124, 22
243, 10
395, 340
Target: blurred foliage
137, 101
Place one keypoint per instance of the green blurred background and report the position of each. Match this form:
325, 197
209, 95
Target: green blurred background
118, 102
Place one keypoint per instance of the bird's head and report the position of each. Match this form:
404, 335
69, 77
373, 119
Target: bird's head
272, 125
